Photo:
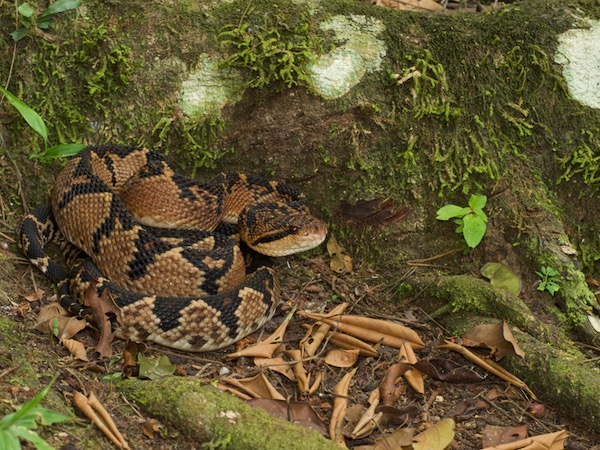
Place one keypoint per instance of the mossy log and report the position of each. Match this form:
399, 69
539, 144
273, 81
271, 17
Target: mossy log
202, 412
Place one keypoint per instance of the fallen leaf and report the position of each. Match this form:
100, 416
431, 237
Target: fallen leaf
278, 364
437, 437
413, 376
341, 358
501, 276
102, 309
495, 435
76, 348
373, 212
315, 336
372, 330
548, 441
35, 296
300, 372
447, 370
388, 391
256, 387
336, 423
411, 5
268, 346
300, 413
497, 337
151, 428
340, 260
396, 417
155, 368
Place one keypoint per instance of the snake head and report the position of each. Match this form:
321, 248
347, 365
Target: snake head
280, 229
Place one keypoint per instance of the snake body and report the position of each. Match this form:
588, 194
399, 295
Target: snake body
152, 238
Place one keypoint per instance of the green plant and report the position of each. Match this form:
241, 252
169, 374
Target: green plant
471, 220
29, 21
22, 423
550, 281
38, 125
271, 51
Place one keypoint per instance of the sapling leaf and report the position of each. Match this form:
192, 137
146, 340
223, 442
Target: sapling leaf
480, 213
474, 229
449, 211
26, 10
63, 150
58, 7
19, 34
477, 201
31, 117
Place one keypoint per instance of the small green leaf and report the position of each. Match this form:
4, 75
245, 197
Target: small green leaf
449, 211
26, 10
500, 275
63, 150
474, 229
19, 34
155, 368
477, 201
31, 117
58, 7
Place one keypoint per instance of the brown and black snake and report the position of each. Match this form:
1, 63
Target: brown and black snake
153, 239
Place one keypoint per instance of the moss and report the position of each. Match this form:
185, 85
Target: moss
209, 415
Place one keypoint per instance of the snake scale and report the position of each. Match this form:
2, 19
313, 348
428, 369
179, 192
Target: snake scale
153, 240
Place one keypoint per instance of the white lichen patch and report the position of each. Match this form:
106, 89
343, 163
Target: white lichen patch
359, 52
579, 53
207, 89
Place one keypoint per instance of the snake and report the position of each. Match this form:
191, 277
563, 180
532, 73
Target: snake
168, 248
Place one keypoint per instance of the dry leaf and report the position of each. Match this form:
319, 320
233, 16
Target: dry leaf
93, 410
340, 260
372, 330
268, 346
413, 376
35, 296
411, 5
497, 337
296, 412
549, 441
447, 370
276, 365
151, 428
302, 376
488, 365
388, 390
370, 419
76, 348
437, 437
256, 387
101, 308
341, 358
495, 435
336, 423
314, 336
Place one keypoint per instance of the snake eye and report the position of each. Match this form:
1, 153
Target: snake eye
293, 229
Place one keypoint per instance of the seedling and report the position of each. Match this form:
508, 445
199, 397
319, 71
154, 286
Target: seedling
29, 21
550, 281
471, 220
38, 125
22, 424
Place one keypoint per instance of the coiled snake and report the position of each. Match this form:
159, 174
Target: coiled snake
151, 232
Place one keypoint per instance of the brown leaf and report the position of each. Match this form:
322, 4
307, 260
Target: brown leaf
102, 307
340, 260
35, 296
448, 370
278, 364
76, 348
388, 390
397, 417
336, 423
373, 212
151, 428
302, 376
497, 337
411, 5
300, 413
54, 319
341, 358
437, 437
414, 377
372, 330
257, 387
495, 435
315, 336
548, 441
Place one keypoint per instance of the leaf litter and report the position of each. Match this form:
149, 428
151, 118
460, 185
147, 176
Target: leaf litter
351, 373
